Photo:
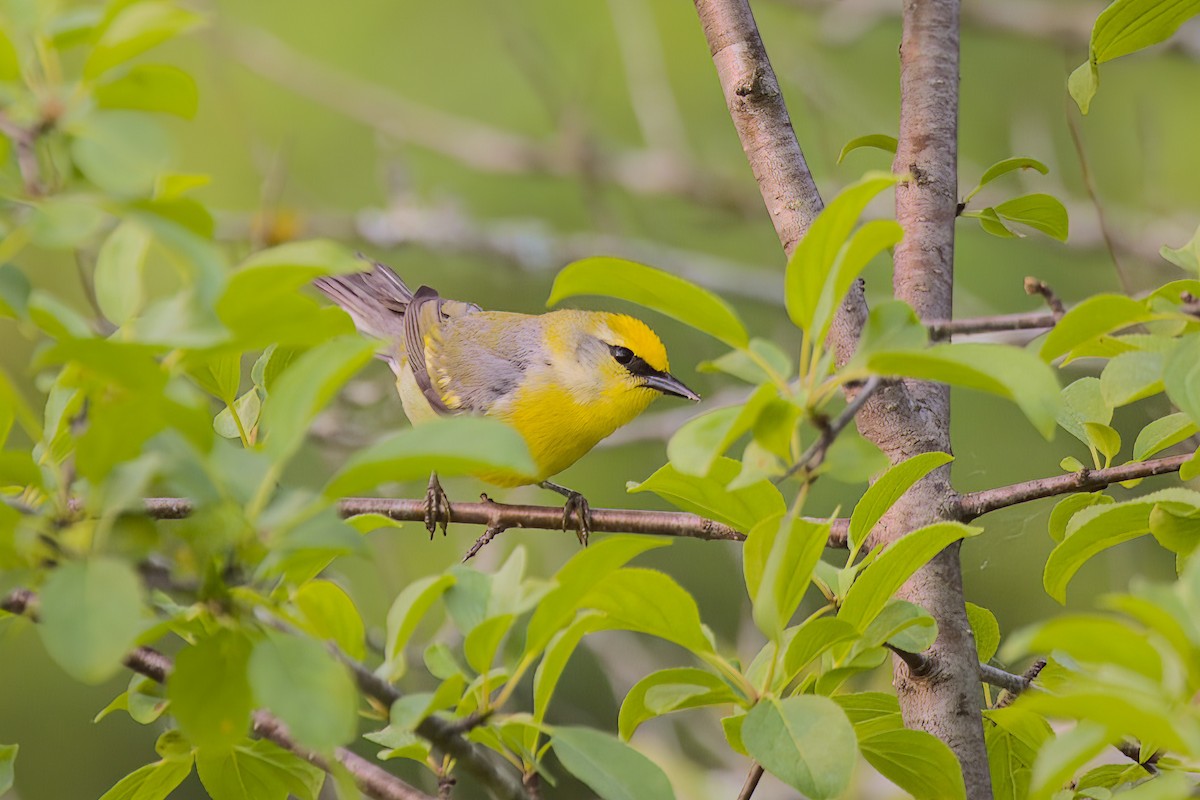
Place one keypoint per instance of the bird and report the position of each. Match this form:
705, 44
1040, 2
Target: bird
564, 379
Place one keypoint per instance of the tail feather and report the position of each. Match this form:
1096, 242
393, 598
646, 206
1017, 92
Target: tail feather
376, 300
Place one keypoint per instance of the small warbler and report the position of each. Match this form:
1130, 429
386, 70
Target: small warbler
564, 380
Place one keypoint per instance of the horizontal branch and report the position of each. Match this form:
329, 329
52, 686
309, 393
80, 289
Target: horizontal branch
976, 504
1003, 323
374, 781
1008, 681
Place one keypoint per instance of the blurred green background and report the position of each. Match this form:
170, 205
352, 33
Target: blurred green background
478, 146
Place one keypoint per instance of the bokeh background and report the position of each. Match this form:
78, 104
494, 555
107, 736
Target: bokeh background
478, 146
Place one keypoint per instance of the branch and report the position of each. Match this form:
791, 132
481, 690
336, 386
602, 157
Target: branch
24, 142
547, 518
761, 117
976, 504
1013, 684
1009, 695
815, 454
371, 779
445, 734
752, 779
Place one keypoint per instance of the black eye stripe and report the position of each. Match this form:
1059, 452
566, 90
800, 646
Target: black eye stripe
623, 355
632, 362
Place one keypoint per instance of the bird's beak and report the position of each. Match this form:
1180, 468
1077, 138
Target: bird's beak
667, 383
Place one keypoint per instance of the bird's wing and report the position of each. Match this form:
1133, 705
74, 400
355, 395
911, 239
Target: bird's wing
421, 320
477, 362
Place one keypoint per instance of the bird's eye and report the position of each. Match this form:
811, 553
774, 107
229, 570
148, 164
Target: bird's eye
623, 355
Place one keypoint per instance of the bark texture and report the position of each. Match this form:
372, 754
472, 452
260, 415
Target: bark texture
904, 418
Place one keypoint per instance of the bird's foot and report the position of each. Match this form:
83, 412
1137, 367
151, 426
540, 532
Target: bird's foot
576, 506
437, 507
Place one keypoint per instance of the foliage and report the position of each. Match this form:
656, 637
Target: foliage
148, 394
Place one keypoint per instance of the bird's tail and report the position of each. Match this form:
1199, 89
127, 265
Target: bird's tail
376, 300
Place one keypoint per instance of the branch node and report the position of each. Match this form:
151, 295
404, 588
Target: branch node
920, 666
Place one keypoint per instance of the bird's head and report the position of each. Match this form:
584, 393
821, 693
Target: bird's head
627, 355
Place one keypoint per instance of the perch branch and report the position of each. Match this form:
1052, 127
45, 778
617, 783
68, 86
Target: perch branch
371, 779
976, 504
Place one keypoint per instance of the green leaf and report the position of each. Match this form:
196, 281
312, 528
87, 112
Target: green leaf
312, 693
1097, 316
558, 652
91, 614
583, 571
1127, 26
1082, 85
653, 289
262, 303
649, 601
805, 741
483, 642
901, 624
867, 242
741, 508
889, 488
1186, 257
917, 762
219, 374
1091, 639
209, 691
816, 256
151, 782
740, 363
671, 690
1098, 528
248, 408
880, 141
121, 152
1162, 433
134, 30
1001, 370
986, 630
894, 565
10, 66
609, 767
64, 223
1083, 404
991, 223
1014, 736
1063, 754
151, 87
1068, 507
812, 639
1105, 439
450, 446
1132, 376
8, 756
695, 447
407, 610
259, 770
330, 615
1003, 168
118, 277
14, 292
779, 557
1042, 212
307, 387
1181, 376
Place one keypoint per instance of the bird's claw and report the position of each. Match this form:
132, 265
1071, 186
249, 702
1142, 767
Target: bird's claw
578, 506
437, 507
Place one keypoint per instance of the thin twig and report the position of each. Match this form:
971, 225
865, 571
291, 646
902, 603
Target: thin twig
976, 504
1090, 185
815, 454
1008, 696
370, 779
752, 779
445, 734
1007, 681
24, 141
1035, 286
